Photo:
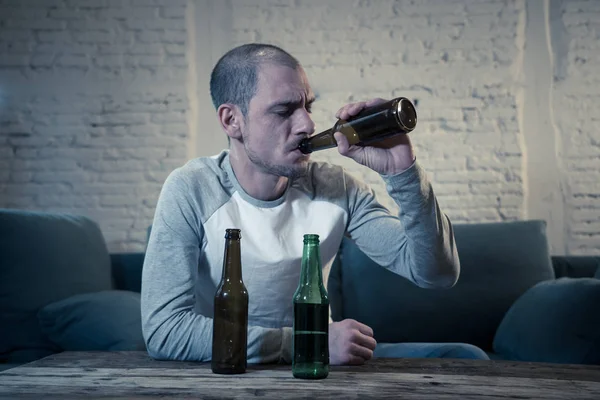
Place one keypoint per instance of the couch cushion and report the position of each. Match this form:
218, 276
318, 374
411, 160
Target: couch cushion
45, 257
555, 321
499, 262
575, 266
107, 320
127, 270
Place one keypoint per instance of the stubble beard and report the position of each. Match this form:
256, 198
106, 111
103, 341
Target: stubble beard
289, 171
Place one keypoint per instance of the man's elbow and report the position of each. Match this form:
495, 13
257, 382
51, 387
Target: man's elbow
447, 281
440, 278
162, 345
156, 341
156, 350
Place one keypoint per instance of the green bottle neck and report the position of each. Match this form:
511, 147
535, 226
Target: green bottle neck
311, 273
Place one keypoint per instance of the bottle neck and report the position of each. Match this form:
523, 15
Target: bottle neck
320, 141
311, 273
232, 261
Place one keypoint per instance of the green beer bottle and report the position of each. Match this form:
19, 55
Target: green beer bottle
311, 316
230, 320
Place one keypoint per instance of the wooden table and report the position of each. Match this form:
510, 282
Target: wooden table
84, 375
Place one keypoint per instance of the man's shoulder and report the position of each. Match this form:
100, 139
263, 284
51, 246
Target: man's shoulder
323, 180
320, 170
202, 183
200, 170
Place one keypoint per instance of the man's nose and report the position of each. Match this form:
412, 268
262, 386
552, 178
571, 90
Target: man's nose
304, 124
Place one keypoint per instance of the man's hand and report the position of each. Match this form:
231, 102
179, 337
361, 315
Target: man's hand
350, 342
388, 157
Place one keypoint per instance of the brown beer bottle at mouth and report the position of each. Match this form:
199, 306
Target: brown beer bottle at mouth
397, 116
230, 323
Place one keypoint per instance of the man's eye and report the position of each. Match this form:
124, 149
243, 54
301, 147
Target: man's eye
284, 112
309, 108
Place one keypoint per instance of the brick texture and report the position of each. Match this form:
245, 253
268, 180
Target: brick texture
576, 105
455, 58
94, 101
93, 109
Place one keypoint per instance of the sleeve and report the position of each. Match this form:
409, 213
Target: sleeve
172, 329
419, 243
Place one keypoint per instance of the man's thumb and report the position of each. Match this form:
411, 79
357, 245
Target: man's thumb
342, 143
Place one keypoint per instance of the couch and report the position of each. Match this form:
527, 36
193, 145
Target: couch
60, 289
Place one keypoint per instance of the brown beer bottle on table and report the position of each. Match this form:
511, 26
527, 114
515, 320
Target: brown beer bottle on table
397, 116
230, 324
310, 355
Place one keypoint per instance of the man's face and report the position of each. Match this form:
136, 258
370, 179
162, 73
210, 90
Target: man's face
278, 119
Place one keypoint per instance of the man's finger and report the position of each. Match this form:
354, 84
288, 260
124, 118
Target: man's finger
342, 143
342, 113
356, 360
355, 109
375, 101
360, 351
365, 329
350, 110
366, 341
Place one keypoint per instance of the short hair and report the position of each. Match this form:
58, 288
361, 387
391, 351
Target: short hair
234, 77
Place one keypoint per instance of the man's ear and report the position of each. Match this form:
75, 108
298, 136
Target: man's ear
231, 119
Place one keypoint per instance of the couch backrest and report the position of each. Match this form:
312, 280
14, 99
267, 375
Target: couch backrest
576, 266
127, 271
499, 262
44, 258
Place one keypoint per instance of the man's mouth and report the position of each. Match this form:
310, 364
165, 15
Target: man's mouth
296, 146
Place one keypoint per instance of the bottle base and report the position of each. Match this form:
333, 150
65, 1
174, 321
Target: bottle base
228, 370
310, 370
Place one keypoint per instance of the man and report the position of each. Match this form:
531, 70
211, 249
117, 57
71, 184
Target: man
267, 188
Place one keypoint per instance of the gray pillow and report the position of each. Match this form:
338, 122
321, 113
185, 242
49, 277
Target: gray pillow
555, 321
107, 320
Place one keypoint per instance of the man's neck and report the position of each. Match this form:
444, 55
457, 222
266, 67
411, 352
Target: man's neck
257, 183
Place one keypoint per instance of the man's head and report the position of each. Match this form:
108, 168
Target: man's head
234, 77
263, 101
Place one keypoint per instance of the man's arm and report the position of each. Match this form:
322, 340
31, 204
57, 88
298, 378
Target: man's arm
419, 244
172, 329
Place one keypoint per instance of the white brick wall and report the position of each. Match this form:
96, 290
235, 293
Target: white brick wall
576, 109
455, 57
93, 108
96, 107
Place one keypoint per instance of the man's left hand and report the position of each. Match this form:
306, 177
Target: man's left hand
388, 156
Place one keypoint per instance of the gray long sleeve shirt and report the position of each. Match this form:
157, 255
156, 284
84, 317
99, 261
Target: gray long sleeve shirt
184, 258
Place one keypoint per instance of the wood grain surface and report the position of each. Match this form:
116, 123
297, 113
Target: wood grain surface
133, 375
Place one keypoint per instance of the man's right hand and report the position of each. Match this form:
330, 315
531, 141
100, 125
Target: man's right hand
350, 342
